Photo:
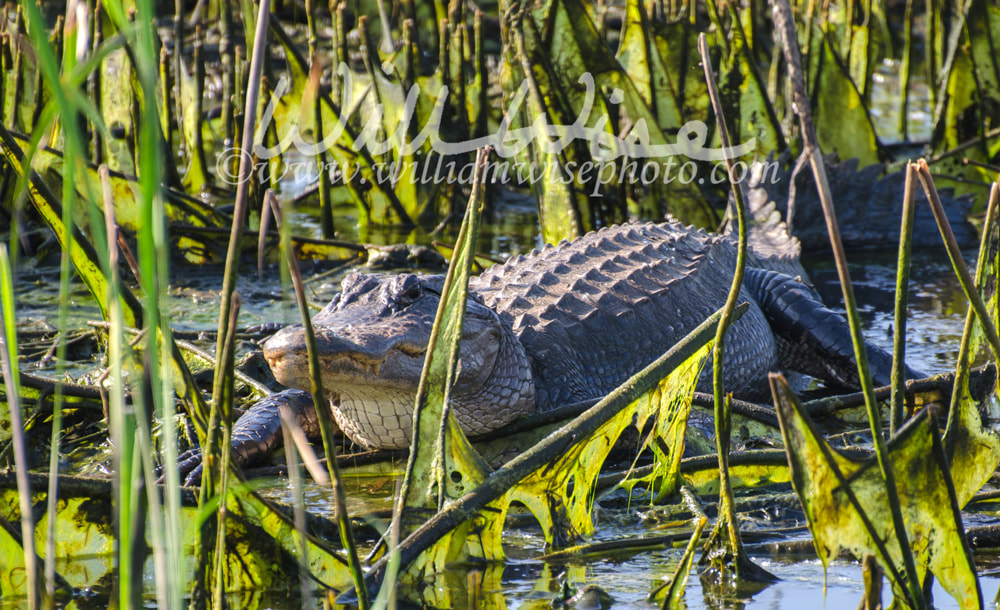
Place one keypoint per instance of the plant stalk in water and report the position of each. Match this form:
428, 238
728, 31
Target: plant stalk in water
727, 522
326, 424
957, 262
964, 352
223, 380
902, 294
785, 26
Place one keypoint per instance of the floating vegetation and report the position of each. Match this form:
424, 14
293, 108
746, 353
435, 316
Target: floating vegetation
142, 143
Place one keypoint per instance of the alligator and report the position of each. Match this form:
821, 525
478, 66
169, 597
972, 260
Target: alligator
869, 207
560, 325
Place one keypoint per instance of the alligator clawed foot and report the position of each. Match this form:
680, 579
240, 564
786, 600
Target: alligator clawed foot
189, 465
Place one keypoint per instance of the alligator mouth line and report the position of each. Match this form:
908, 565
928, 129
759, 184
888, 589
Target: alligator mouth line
367, 364
364, 366
350, 365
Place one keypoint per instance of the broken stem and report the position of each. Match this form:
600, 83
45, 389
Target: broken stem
955, 254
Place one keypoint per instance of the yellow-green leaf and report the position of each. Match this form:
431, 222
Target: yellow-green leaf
845, 501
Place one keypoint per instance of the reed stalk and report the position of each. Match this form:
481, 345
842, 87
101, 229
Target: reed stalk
902, 297
957, 262
327, 428
784, 24
222, 387
727, 519
965, 347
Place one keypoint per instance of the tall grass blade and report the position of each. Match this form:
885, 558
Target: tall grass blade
289, 427
11, 376
226, 360
222, 386
49, 69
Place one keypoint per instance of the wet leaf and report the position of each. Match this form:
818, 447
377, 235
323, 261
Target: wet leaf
83, 255
196, 177
677, 43
557, 61
479, 263
971, 100
860, 61
746, 469
650, 72
117, 102
263, 548
377, 202
745, 100
36, 393
843, 124
846, 507
561, 495
178, 207
675, 590
987, 278
19, 94
13, 578
443, 465
262, 543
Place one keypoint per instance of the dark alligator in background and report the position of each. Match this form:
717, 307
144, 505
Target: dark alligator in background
869, 208
561, 325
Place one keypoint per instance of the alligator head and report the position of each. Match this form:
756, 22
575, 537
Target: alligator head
372, 339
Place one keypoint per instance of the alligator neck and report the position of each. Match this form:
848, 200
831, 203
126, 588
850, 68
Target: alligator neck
508, 393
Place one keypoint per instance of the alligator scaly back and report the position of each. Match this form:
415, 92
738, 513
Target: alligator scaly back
592, 312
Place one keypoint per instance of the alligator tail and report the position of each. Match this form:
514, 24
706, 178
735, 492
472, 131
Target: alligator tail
811, 338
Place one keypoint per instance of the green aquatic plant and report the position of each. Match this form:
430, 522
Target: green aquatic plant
848, 510
129, 99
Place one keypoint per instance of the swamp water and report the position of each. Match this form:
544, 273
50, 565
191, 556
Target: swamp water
937, 312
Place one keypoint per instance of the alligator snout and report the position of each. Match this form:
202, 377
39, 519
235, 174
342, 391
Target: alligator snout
285, 352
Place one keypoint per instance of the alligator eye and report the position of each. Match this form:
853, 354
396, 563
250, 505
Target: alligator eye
410, 295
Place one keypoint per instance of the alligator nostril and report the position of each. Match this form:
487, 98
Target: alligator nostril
273, 355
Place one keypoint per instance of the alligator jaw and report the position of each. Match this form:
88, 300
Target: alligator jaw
376, 418
342, 362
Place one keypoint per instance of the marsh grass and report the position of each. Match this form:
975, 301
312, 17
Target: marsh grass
146, 376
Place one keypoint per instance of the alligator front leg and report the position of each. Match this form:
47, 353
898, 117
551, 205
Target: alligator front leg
258, 432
